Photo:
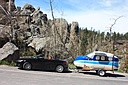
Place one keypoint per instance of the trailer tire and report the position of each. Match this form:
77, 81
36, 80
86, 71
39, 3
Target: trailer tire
101, 72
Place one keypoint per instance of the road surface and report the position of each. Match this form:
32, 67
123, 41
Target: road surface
14, 76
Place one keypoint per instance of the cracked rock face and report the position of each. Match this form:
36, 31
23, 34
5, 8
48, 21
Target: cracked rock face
31, 26
9, 52
4, 4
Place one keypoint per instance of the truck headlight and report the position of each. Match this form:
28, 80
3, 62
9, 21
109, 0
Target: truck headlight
20, 60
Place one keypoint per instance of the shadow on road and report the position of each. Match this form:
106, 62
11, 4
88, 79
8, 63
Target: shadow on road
113, 75
44, 70
107, 74
84, 72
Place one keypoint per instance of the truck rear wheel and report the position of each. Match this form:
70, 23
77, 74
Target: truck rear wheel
27, 66
60, 68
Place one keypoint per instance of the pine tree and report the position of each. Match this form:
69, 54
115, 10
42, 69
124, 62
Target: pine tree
126, 60
84, 42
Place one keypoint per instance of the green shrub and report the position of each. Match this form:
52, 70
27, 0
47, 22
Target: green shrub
70, 65
120, 70
3, 62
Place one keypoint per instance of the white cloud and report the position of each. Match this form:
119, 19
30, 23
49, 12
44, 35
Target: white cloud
108, 2
102, 18
74, 1
99, 20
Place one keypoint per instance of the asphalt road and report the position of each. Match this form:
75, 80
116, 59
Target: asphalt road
15, 76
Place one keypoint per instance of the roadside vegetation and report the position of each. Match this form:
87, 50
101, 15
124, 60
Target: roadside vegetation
3, 62
71, 66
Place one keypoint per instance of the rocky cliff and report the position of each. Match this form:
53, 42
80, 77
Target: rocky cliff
30, 27
4, 9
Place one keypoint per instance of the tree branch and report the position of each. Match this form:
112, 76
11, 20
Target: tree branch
115, 20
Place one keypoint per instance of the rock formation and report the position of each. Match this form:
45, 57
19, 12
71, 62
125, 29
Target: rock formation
31, 27
4, 9
9, 52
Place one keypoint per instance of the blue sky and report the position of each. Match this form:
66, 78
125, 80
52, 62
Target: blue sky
99, 14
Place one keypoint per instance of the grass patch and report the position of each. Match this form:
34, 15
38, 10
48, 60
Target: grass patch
70, 65
119, 71
3, 62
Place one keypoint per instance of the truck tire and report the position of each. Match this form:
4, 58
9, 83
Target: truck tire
27, 66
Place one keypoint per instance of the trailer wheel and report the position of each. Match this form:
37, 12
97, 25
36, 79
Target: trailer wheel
101, 72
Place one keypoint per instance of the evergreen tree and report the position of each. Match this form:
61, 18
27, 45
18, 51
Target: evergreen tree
114, 36
102, 35
126, 36
118, 36
84, 42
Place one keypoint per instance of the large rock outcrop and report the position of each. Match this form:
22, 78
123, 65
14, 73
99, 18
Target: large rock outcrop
9, 52
4, 7
39, 43
5, 21
28, 9
31, 27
